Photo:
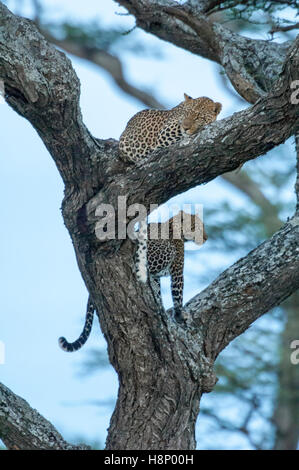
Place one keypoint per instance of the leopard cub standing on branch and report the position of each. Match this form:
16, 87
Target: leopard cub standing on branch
161, 253
151, 129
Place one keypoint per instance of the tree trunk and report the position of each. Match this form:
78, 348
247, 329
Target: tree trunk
159, 365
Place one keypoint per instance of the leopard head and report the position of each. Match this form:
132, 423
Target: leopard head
198, 112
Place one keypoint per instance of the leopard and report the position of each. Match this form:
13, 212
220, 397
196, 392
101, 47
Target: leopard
151, 129
162, 246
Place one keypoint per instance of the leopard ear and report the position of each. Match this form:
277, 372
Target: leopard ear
187, 97
218, 107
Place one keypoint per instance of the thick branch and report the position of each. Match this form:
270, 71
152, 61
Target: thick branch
251, 65
23, 428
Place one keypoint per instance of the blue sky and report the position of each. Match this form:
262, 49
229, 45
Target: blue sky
42, 293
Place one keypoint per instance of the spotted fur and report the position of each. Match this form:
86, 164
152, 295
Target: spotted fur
151, 129
70, 347
165, 253
141, 255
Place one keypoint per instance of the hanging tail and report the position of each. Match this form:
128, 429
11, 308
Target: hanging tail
70, 347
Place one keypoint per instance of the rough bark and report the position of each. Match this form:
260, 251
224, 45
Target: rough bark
251, 65
163, 368
23, 428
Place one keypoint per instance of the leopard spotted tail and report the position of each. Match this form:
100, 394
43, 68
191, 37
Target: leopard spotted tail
70, 347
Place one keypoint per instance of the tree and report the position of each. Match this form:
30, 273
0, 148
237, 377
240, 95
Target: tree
163, 368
